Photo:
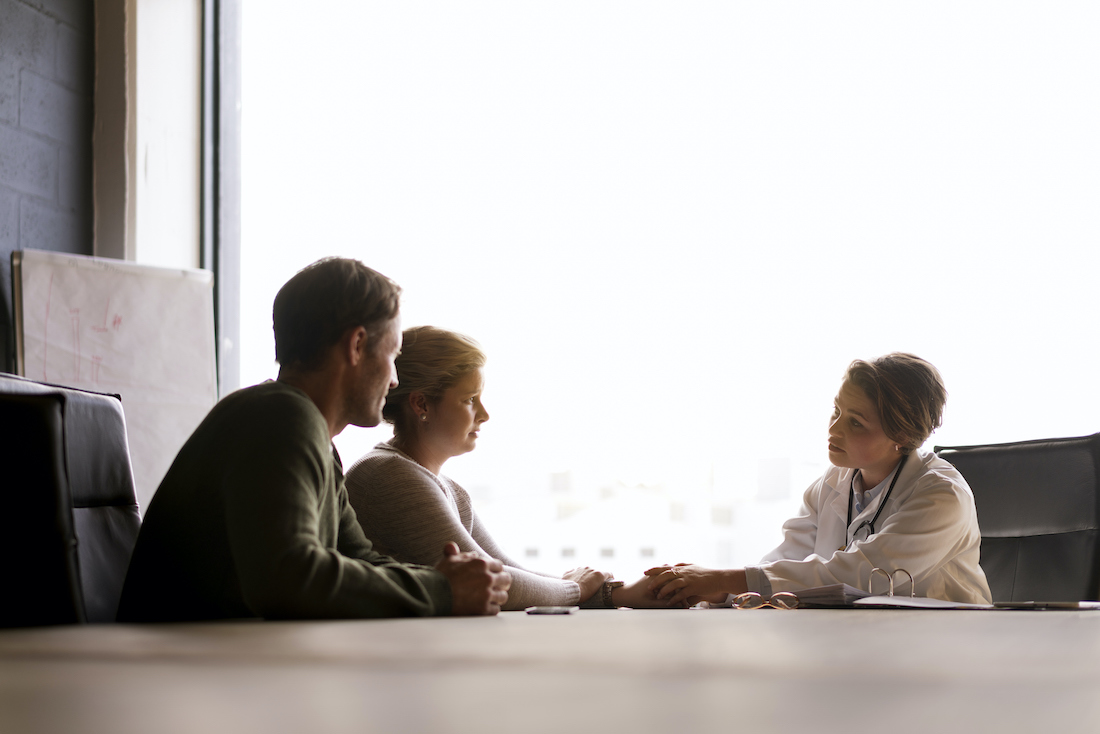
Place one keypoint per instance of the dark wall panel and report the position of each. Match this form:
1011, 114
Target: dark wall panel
47, 72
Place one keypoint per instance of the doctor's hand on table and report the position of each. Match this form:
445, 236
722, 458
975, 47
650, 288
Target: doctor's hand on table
686, 584
637, 595
478, 586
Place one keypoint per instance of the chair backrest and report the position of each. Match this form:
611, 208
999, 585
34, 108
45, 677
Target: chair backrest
1039, 515
68, 492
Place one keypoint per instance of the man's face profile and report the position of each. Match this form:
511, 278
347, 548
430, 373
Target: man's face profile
378, 374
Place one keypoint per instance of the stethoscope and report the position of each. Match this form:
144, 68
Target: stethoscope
869, 524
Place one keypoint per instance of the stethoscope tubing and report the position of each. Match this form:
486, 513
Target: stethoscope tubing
870, 524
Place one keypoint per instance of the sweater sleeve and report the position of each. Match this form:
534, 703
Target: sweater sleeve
529, 588
403, 509
293, 545
355, 544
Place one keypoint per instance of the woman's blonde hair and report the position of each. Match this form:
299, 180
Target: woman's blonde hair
908, 392
431, 360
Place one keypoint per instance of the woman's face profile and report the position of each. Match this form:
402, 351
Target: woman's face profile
856, 438
455, 419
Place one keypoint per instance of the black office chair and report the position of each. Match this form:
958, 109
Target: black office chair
1039, 515
71, 516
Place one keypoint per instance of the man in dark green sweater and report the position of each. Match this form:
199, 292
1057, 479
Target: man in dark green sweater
252, 519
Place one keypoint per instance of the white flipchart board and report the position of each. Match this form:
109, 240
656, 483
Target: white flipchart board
143, 332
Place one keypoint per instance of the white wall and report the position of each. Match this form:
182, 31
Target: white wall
148, 78
168, 140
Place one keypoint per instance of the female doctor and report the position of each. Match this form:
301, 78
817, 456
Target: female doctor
883, 504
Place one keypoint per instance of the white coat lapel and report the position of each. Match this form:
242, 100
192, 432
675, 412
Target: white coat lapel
838, 511
839, 499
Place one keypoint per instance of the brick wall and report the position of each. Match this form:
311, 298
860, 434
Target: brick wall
46, 83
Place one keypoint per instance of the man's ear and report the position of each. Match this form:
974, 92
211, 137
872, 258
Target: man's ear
356, 345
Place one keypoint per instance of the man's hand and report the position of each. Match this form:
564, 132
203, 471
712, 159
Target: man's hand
478, 586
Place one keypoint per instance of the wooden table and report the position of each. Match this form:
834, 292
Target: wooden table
594, 671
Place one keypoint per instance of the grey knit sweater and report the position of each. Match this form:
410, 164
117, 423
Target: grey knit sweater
410, 514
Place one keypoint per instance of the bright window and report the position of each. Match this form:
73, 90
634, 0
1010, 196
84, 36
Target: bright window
672, 225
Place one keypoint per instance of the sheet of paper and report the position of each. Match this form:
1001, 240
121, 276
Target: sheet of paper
915, 602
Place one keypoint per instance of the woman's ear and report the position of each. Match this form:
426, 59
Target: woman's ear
419, 404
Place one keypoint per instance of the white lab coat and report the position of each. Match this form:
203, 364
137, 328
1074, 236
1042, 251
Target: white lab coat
928, 527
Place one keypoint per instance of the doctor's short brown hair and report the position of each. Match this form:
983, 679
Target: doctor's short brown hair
316, 307
908, 392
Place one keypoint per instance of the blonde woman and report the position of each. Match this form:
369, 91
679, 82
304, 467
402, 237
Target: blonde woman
410, 509
883, 504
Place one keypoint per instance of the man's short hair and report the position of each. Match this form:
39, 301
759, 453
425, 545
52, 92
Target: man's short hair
316, 307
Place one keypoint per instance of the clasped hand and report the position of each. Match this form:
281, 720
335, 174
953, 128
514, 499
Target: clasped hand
589, 579
478, 586
685, 584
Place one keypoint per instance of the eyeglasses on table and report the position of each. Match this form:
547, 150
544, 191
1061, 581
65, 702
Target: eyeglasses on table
779, 600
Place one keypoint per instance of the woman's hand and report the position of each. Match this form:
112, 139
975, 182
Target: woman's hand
588, 579
686, 584
636, 594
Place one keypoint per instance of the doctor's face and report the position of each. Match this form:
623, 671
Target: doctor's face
856, 438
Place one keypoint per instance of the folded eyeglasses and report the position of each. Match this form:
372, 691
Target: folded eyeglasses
791, 600
779, 600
